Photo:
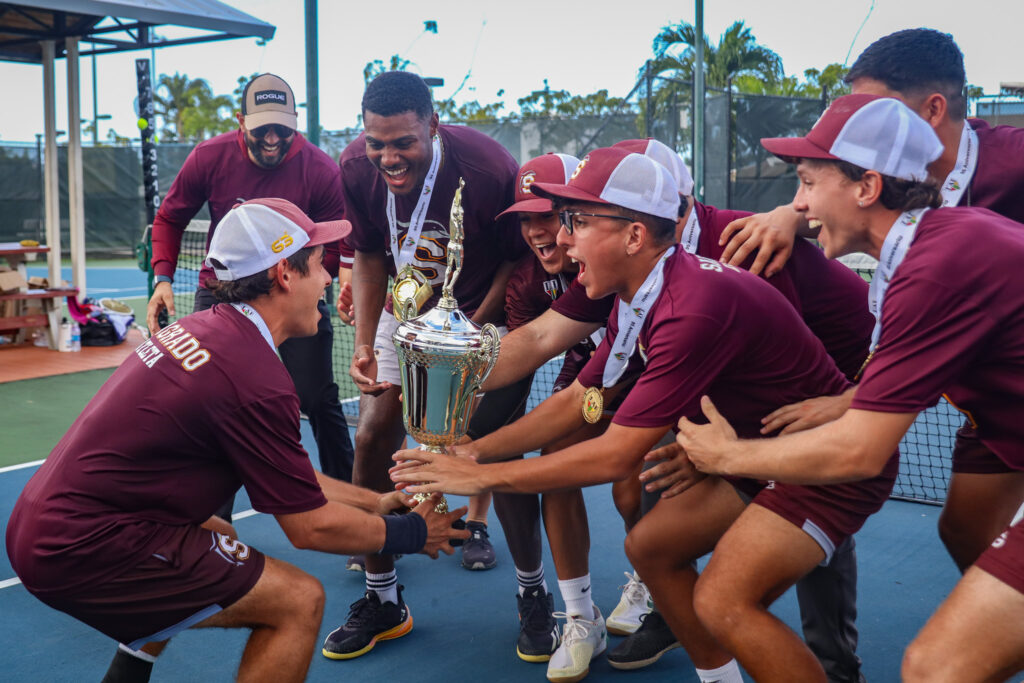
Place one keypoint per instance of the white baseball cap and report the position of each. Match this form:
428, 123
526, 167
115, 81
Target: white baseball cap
256, 234
664, 155
612, 175
876, 133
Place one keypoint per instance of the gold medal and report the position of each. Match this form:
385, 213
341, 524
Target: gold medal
593, 405
410, 291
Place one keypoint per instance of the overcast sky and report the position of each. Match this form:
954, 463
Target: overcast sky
512, 47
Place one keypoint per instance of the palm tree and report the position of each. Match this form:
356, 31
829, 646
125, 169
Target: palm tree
737, 53
172, 97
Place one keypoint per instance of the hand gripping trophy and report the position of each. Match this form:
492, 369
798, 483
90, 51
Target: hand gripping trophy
444, 358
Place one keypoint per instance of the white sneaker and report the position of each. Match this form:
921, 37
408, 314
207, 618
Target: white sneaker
582, 640
634, 603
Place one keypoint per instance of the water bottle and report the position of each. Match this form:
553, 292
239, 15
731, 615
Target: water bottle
64, 338
76, 336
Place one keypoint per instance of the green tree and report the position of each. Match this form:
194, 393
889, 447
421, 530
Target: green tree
377, 67
189, 108
737, 53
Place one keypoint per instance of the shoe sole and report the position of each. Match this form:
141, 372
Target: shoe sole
479, 566
390, 634
641, 663
533, 658
621, 630
355, 568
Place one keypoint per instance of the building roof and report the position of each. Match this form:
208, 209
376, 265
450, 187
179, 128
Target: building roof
117, 25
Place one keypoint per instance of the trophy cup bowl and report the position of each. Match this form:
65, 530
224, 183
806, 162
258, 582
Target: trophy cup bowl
444, 358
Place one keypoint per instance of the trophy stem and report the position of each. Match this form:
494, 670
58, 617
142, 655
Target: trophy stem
442, 505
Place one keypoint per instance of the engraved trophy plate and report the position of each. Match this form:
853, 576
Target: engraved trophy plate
443, 357
411, 290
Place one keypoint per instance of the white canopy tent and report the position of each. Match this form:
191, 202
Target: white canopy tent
40, 31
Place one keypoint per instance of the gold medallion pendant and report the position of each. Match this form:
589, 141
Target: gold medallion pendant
593, 405
410, 291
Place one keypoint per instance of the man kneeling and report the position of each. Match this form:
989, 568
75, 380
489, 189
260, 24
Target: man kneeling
115, 528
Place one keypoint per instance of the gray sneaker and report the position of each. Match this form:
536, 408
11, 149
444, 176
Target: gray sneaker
477, 551
645, 646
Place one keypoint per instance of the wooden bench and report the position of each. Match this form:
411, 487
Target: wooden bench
16, 317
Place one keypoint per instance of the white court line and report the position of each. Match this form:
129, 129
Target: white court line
11, 468
10, 582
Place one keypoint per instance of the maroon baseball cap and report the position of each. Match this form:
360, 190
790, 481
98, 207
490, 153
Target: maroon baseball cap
876, 133
616, 176
547, 168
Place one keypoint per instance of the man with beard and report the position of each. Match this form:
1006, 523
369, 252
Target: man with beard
265, 157
399, 178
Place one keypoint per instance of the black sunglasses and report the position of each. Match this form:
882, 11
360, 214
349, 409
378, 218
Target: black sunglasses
567, 218
283, 132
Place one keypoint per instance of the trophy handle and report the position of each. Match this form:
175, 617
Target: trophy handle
490, 345
410, 309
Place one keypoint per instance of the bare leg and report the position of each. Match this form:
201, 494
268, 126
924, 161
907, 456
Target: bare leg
380, 433
978, 508
284, 610
758, 558
663, 547
977, 634
478, 506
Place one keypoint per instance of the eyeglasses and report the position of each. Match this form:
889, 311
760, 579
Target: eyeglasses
283, 132
568, 218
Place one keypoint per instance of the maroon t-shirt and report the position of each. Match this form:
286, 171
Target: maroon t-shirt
953, 323
998, 181
219, 172
531, 291
831, 298
489, 171
720, 331
176, 429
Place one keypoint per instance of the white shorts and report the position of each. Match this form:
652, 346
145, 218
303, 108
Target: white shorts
384, 350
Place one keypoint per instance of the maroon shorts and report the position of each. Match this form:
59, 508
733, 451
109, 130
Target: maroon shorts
1004, 559
196, 574
971, 456
828, 514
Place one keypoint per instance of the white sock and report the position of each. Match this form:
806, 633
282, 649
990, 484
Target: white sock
577, 597
384, 585
529, 580
727, 673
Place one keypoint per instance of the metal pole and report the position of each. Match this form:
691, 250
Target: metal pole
648, 114
312, 76
52, 181
76, 191
728, 143
698, 103
95, 106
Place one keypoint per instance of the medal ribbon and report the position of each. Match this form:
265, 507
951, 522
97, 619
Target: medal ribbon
966, 163
419, 214
631, 318
894, 250
691, 232
253, 316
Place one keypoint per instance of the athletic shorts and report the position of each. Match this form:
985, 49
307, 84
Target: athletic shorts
828, 514
196, 574
384, 349
1004, 559
971, 456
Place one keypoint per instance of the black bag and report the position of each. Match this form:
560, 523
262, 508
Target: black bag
99, 331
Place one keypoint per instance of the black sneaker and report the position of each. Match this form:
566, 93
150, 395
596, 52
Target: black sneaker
477, 551
538, 630
368, 621
646, 646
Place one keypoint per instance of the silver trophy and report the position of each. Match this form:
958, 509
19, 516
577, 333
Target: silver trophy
444, 358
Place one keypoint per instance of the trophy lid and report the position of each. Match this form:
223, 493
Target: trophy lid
441, 330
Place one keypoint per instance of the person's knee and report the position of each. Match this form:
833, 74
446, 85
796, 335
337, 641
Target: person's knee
921, 664
309, 599
626, 495
645, 550
717, 606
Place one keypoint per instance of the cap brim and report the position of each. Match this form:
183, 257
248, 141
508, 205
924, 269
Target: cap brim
553, 190
792, 149
327, 232
542, 205
262, 118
